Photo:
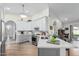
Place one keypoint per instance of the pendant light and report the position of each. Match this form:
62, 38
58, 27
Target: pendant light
23, 15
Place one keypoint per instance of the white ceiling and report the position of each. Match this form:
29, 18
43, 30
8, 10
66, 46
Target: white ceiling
66, 12
16, 8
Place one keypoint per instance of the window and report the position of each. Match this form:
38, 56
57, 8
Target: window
75, 30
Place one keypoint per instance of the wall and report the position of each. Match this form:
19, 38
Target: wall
54, 27
53, 18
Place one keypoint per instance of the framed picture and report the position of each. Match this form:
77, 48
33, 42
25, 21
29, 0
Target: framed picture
51, 27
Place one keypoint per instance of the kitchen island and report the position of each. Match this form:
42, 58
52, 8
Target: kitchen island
48, 49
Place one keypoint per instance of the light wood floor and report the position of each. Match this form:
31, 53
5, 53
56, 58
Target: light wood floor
27, 49
23, 49
74, 52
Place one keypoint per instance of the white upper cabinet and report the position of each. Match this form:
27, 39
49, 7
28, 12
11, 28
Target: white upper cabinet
39, 23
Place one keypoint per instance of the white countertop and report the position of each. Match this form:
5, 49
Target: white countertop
42, 43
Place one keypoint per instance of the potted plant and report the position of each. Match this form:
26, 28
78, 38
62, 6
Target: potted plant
53, 39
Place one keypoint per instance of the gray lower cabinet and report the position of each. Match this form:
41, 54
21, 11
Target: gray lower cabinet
48, 51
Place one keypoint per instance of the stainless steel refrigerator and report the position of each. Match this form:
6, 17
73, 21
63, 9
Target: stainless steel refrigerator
2, 38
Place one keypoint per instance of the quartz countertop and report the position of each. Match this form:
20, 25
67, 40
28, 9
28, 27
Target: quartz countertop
42, 43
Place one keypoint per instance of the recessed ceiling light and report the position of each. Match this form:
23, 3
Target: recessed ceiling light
66, 19
23, 16
7, 8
